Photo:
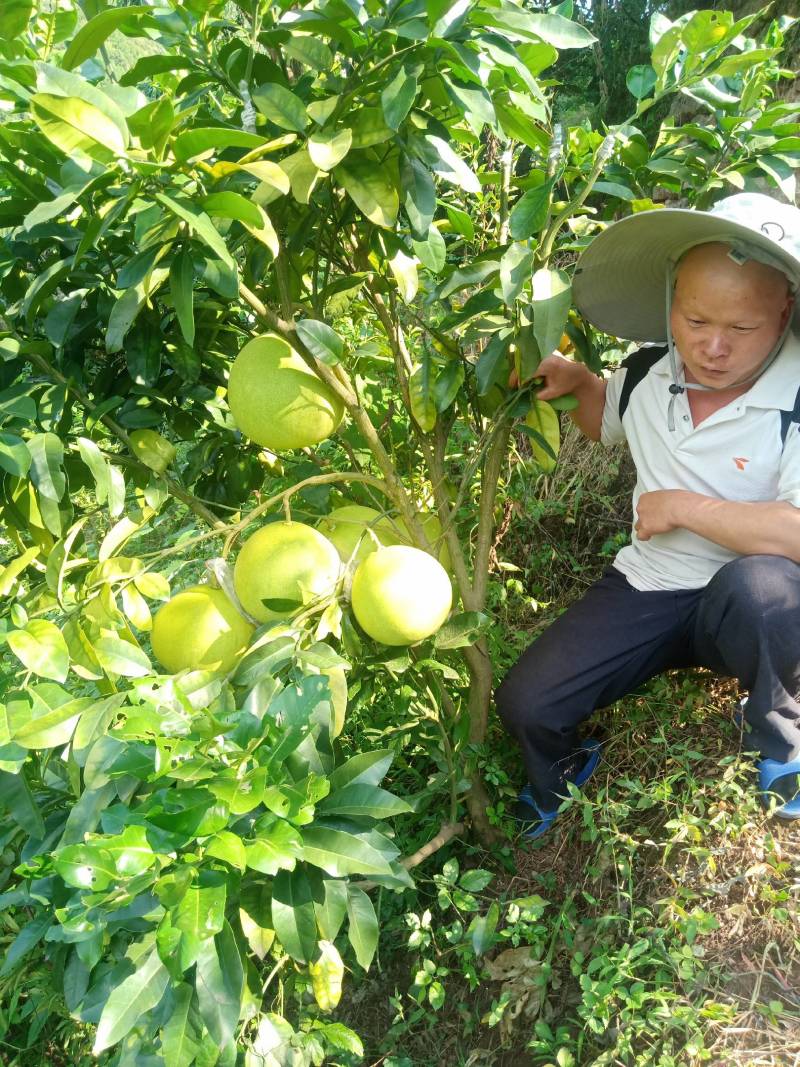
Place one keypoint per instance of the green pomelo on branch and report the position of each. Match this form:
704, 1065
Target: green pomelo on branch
543, 420
276, 399
401, 595
355, 525
282, 567
199, 629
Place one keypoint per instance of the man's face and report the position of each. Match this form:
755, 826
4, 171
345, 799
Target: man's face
726, 317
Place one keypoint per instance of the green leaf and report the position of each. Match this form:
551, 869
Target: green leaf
473, 102
179, 1042
419, 196
47, 459
450, 166
190, 144
220, 984
201, 911
229, 847
328, 148
432, 250
475, 881
73, 125
551, 301
96, 462
117, 656
181, 289
281, 106
363, 800
14, 455
200, 224
26, 940
462, 630
12, 571
371, 189
323, 342
482, 930
231, 205
398, 97
492, 366
515, 271
363, 929
529, 214
91, 36
556, 30
276, 848
16, 798
85, 867
293, 915
14, 18
51, 727
641, 80
367, 767
43, 650
447, 384
137, 994
340, 853
420, 394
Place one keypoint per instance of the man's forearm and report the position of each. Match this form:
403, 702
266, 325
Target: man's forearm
591, 397
769, 527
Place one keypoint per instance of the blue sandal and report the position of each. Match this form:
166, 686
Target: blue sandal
531, 812
771, 771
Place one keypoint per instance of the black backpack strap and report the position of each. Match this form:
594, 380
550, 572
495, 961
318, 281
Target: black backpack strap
788, 417
637, 364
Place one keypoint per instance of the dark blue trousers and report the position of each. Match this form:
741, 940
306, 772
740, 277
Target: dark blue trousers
744, 624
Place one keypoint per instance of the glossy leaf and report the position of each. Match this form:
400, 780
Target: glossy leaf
136, 995
281, 106
363, 925
42, 649
371, 189
293, 914
92, 34
320, 340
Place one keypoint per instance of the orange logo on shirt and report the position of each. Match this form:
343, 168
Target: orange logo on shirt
740, 462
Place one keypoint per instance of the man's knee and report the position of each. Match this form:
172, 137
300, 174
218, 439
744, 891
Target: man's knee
759, 584
519, 705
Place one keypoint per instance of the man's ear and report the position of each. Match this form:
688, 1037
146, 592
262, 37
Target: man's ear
788, 309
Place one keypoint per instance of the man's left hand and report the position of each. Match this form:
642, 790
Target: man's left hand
659, 512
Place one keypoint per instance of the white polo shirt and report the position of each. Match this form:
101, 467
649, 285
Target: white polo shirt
734, 454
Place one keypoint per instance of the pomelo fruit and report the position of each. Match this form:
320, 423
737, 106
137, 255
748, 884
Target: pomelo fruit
276, 399
543, 419
401, 595
345, 527
287, 564
199, 629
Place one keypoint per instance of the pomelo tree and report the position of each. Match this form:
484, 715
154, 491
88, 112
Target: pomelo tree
379, 202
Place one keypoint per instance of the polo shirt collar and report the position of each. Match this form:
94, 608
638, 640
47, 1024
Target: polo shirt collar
775, 389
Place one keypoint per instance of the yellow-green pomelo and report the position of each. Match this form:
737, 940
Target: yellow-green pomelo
199, 629
543, 419
401, 595
287, 564
432, 528
277, 400
345, 527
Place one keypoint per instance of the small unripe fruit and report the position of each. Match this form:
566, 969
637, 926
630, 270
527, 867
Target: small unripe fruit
401, 595
199, 629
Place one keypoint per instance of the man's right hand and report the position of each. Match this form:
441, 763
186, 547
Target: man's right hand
561, 376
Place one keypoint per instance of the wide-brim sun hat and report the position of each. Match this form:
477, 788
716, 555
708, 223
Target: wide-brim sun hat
620, 280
